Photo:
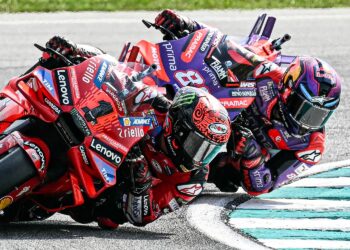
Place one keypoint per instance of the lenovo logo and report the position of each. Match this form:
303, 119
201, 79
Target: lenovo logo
65, 94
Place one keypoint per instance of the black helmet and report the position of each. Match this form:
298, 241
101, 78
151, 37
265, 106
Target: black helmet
311, 92
196, 128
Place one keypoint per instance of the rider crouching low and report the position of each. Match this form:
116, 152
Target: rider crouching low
282, 133
169, 167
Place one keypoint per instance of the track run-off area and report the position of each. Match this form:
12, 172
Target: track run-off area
309, 214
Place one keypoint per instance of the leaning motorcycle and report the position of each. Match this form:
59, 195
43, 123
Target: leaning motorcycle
65, 132
193, 60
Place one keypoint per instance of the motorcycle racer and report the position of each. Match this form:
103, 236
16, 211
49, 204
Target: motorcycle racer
282, 133
170, 166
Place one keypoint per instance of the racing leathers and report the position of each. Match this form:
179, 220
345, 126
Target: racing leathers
150, 184
157, 185
268, 151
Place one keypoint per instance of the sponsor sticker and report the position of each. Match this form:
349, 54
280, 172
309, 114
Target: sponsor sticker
106, 170
236, 103
242, 93
80, 122
5, 202
146, 205
45, 77
64, 91
169, 52
126, 132
56, 109
206, 41
135, 121
101, 74
189, 53
310, 155
266, 92
244, 84
90, 70
135, 203
39, 151
218, 128
173, 204
145, 95
106, 151
83, 155
190, 189
218, 67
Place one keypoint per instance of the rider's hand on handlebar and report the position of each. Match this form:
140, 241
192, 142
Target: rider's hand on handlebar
62, 45
140, 173
177, 24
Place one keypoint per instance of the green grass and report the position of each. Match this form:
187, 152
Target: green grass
113, 5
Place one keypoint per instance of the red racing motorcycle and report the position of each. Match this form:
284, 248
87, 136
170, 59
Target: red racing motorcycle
65, 132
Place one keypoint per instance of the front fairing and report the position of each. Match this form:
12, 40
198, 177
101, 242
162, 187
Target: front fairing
185, 62
83, 99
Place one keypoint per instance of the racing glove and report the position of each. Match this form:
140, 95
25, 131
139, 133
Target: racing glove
71, 49
177, 24
225, 168
256, 176
137, 204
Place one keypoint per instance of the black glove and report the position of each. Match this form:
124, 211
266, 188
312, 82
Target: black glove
75, 52
179, 25
141, 178
63, 46
223, 174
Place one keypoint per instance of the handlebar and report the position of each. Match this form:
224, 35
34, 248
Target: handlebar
52, 51
148, 24
276, 44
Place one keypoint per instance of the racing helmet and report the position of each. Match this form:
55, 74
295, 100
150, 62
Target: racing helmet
196, 128
311, 93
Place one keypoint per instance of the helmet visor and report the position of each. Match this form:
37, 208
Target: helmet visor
200, 149
305, 113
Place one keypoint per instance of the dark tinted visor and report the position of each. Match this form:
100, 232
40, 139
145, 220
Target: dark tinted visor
306, 113
200, 149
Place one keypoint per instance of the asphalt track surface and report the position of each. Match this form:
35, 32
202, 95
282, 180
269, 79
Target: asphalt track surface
322, 32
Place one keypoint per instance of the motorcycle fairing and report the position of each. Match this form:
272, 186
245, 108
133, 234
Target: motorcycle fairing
78, 91
185, 62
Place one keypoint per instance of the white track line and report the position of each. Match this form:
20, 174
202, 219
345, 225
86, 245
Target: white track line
314, 244
320, 182
122, 20
296, 204
325, 167
313, 224
204, 215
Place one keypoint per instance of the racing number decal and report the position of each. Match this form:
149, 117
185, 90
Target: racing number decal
189, 76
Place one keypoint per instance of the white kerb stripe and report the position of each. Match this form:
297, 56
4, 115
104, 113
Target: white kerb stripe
322, 182
314, 244
295, 204
316, 224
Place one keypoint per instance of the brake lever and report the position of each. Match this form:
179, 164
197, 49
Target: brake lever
148, 24
49, 50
